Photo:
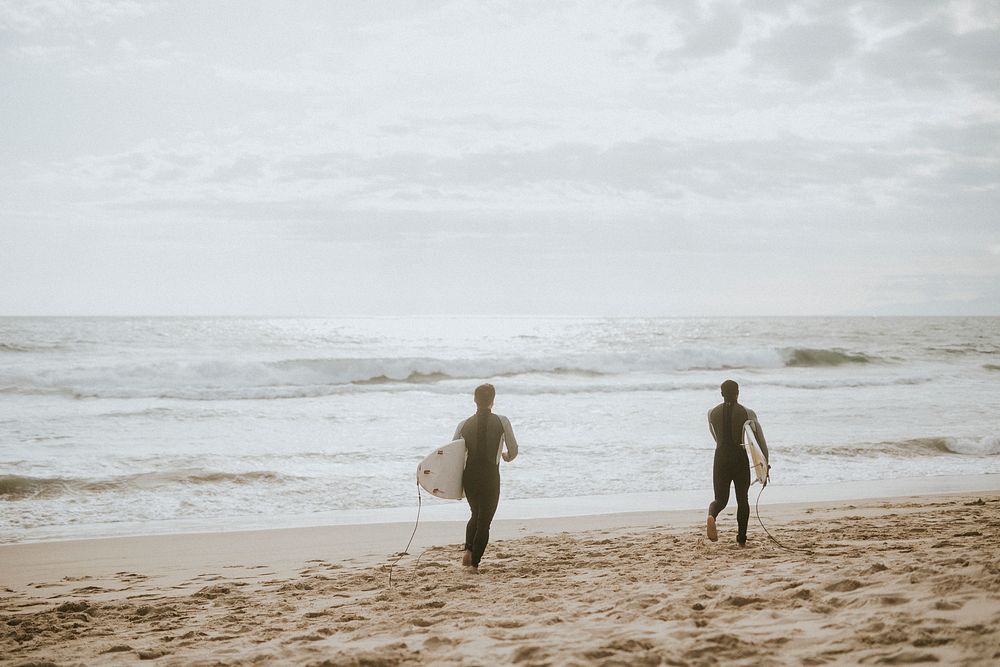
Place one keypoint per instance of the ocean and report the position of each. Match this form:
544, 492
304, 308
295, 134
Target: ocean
114, 426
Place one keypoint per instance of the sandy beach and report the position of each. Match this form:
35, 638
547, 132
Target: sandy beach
890, 581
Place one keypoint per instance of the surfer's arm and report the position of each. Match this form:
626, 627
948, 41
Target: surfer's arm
509, 440
711, 428
758, 430
458, 430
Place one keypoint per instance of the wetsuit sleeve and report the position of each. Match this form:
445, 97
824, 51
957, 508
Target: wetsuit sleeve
758, 430
458, 430
711, 428
509, 440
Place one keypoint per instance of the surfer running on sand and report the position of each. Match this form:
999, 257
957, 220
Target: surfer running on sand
725, 422
485, 434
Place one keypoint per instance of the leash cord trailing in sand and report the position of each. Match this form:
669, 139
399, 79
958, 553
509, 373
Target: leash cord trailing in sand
407, 547
756, 509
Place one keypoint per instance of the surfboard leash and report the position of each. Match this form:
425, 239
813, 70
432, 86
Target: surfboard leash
406, 549
756, 509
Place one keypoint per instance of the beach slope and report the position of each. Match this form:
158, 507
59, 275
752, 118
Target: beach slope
893, 581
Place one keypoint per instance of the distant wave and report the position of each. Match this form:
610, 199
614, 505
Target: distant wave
987, 446
809, 357
991, 367
27, 347
966, 446
967, 349
230, 379
20, 487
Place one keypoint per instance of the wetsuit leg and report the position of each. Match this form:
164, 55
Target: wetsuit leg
486, 507
721, 479
472, 495
741, 480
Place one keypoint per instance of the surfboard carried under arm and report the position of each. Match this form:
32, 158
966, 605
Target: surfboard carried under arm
758, 462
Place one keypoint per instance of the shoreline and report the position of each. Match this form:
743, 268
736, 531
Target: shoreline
436, 510
368, 542
890, 580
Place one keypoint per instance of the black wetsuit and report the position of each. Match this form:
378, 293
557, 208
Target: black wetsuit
481, 480
732, 466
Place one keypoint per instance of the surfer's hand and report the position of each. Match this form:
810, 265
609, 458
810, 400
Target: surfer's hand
506, 457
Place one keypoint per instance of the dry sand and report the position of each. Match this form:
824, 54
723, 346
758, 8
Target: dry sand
895, 581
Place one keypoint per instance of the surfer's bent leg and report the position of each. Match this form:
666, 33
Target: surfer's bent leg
741, 480
721, 478
487, 507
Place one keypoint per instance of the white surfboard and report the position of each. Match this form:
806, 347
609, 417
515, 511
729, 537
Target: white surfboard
440, 473
757, 461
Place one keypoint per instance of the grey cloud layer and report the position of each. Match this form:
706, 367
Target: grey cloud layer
826, 133
942, 159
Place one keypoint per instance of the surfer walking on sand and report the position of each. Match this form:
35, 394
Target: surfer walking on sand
732, 466
485, 434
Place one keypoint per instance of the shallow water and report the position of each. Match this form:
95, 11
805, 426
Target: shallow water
140, 422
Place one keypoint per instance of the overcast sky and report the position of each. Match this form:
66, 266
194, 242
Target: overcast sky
538, 158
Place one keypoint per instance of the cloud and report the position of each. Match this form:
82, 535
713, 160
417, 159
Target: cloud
933, 55
45, 53
646, 172
806, 52
27, 16
716, 34
487, 122
974, 137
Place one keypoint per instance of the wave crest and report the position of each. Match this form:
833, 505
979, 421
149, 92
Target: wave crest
21, 487
812, 357
917, 447
235, 379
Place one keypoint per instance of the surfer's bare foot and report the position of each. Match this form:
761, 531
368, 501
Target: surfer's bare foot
467, 558
742, 542
713, 533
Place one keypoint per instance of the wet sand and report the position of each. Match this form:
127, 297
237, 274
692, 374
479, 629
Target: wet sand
891, 581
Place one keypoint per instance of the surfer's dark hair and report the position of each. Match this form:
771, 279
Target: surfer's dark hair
485, 393
730, 391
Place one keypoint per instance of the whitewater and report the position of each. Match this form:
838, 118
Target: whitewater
138, 425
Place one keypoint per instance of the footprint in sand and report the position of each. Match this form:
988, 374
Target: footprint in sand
844, 586
435, 642
421, 622
948, 605
431, 604
893, 600
533, 654
117, 648
86, 590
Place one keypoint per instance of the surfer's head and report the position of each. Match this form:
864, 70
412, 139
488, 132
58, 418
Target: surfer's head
485, 393
730, 391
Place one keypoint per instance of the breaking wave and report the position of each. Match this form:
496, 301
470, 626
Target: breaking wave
20, 487
231, 379
27, 347
810, 357
966, 446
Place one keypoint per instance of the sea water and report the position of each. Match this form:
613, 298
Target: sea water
138, 425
